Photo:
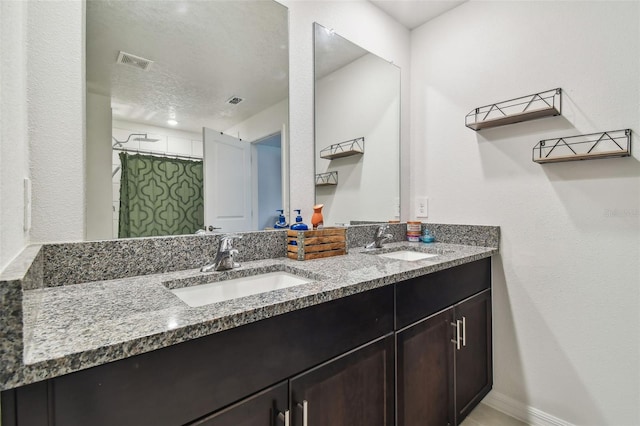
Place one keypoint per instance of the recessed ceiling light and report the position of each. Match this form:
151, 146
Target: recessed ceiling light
172, 122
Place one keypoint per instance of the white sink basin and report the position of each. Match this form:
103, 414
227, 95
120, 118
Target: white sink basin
407, 255
205, 294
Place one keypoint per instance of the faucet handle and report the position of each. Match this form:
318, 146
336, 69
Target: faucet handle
381, 229
226, 242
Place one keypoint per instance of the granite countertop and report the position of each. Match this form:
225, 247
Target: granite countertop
57, 318
69, 328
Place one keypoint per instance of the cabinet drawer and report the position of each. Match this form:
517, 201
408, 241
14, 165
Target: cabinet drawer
262, 409
183, 382
420, 297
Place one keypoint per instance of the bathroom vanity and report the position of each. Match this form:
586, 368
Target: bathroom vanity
371, 341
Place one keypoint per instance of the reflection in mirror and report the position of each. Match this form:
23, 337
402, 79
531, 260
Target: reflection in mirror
357, 131
166, 81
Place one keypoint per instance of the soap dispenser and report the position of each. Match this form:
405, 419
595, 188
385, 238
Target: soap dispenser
299, 226
427, 237
282, 221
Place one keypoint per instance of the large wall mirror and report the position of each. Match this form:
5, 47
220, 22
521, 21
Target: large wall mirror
357, 131
187, 116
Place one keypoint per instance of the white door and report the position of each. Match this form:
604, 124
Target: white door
227, 182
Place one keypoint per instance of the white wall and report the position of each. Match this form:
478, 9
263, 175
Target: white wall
267, 122
98, 184
363, 24
566, 284
14, 154
361, 99
55, 101
170, 141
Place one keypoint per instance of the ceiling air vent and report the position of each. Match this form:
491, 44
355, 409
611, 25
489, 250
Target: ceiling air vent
134, 61
235, 100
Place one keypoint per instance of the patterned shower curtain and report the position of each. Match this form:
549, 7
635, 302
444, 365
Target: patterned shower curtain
159, 196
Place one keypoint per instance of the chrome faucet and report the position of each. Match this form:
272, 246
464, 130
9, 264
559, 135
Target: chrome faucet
380, 237
224, 258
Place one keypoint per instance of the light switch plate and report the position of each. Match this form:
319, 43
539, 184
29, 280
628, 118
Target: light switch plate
422, 207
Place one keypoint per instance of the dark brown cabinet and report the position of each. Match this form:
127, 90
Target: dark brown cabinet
473, 361
444, 364
185, 382
355, 389
425, 373
267, 408
372, 358
426, 295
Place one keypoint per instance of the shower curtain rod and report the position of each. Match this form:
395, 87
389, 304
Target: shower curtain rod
162, 154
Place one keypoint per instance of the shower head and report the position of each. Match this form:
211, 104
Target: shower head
139, 137
145, 138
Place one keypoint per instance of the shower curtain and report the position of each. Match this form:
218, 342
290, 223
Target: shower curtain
159, 196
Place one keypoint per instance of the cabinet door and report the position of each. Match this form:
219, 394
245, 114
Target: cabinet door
474, 374
267, 408
355, 389
425, 372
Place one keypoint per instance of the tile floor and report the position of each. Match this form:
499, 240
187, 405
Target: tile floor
483, 415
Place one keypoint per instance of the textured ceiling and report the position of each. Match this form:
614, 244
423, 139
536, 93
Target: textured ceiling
413, 13
204, 52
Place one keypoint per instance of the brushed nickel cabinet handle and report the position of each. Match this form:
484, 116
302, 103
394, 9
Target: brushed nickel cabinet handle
456, 341
284, 417
305, 410
464, 331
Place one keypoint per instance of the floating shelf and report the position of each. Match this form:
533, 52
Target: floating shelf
343, 149
531, 107
327, 179
615, 143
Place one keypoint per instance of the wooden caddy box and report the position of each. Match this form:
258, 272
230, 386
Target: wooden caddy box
317, 244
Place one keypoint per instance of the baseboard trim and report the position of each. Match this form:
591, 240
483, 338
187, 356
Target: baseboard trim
531, 416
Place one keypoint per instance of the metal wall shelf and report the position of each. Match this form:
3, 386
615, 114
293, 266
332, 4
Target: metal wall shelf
615, 143
343, 149
327, 179
525, 108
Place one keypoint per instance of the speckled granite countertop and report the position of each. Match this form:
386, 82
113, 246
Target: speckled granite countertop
69, 328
